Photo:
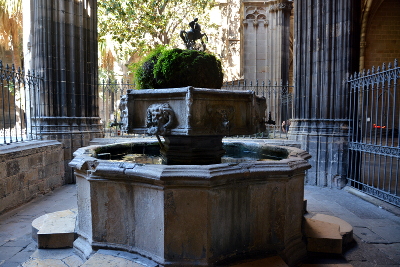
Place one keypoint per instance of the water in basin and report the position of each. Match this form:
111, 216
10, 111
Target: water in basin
149, 153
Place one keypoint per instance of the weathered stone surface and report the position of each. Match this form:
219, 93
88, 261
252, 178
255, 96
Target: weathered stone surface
346, 230
55, 230
274, 261
322, 236
109, 260
25, 171
186, 214
198, 111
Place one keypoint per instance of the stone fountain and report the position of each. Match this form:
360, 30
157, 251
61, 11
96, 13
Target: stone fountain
195, 209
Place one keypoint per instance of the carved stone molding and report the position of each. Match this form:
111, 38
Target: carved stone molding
256, 15
287, 6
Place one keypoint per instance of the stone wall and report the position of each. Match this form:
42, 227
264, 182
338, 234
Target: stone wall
29, 169
383, 35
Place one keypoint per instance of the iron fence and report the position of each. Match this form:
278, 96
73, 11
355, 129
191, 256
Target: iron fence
279, 110
374, 149
278, 97
19, 108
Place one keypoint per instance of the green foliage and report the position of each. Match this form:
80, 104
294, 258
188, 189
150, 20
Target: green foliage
137, 26
143, 70
173, 68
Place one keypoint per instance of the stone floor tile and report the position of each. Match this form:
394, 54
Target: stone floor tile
31, 247
73, 261
46, 263
8, 252
20, 257
275, 261
110, 261
368, 236
58, 254
20, 242
391, 250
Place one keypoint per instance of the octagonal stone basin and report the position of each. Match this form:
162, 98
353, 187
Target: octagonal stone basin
191, 215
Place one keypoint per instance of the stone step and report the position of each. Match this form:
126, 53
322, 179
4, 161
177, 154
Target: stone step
346, 230
327, 234
116, 258
55, 230
274, 261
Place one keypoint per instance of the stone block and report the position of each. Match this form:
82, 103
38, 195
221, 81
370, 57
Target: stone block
323, 237
3, 171
55, 230
35, 160
346, 230
12, 168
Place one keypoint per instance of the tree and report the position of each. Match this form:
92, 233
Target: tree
137, 26
11, 28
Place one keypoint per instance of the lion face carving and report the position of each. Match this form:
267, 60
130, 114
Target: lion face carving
160, 119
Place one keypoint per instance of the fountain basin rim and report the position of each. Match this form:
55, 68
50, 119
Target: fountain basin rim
185, 174
184, 90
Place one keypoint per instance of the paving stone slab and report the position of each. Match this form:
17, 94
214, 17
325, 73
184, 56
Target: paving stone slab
368, 236
20, 257
58, 254
275, 261
129, 256
73, 261
391, 250
45, 263
365, 254
8, 252
110, 261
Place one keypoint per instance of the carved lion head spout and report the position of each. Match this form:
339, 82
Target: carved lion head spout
160, 119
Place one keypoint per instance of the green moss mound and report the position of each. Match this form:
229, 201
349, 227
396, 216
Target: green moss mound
179, 68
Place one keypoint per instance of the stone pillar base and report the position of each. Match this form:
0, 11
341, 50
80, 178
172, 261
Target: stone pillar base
327, 142
72, 132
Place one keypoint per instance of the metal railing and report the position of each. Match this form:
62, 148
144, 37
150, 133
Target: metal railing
278, 97
110, 95
374, 148
279, 105
19, 109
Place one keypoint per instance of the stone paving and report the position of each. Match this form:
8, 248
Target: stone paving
376, 231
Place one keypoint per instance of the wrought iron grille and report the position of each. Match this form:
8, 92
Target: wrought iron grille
279, 105
374, 151
19, 105
278, 97
110, 94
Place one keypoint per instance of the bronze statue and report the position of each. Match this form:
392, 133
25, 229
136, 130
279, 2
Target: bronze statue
191, 36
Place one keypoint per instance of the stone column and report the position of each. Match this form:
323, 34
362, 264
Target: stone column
280, 23
324, 37
266, 34
64, 52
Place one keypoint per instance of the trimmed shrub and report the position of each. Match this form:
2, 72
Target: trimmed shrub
179, 68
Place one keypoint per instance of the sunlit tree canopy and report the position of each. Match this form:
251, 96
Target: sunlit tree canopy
133, 27
11, 27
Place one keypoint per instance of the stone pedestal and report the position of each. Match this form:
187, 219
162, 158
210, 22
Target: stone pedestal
194, 120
